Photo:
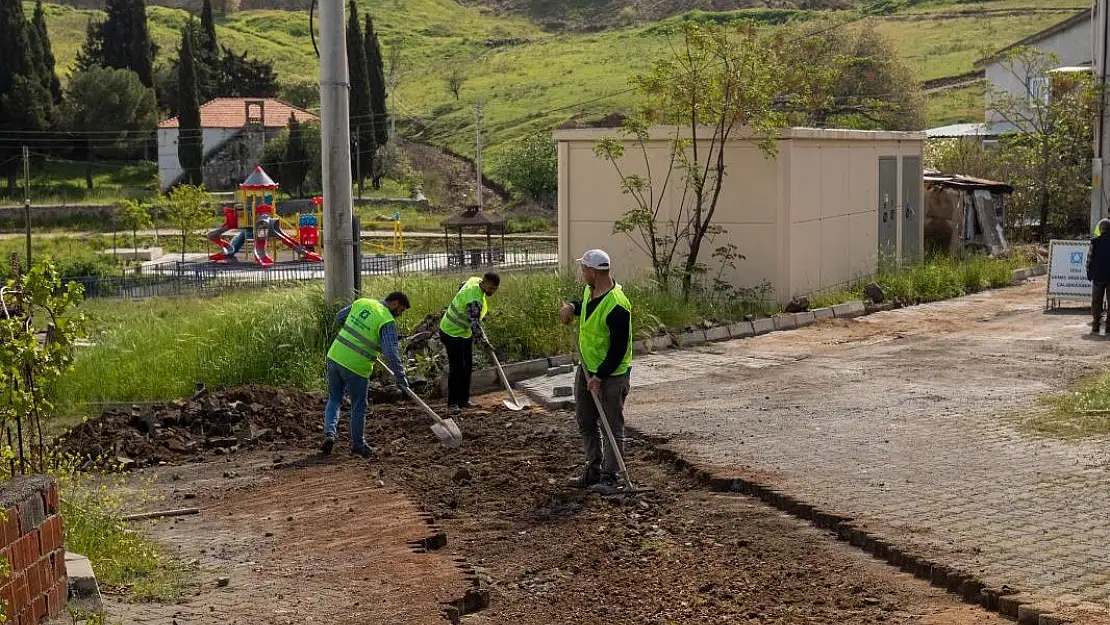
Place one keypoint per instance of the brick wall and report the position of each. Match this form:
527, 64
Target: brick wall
31, 541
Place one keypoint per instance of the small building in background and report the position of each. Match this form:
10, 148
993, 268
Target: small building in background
963, 213
818, 215
235, 132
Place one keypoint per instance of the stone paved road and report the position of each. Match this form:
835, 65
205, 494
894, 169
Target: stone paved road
908, 422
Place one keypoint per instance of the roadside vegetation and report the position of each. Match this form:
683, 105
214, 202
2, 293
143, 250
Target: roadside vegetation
1083, 412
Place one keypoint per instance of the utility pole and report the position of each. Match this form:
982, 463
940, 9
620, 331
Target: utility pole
335, 144
1100, 165
478, 155
27, 200
358, 160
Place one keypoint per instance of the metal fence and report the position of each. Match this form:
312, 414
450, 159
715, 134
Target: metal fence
186, 277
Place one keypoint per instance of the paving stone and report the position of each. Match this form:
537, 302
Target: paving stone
763, 325
784, 322
823, 313
719, 333
741, 330
849, 310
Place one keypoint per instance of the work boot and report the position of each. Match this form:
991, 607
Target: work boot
606, 486
1095, 328
453, 411
588, 478
329, 444
365, 452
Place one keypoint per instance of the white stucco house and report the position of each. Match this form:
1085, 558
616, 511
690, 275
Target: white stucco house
1070, 40
235, 131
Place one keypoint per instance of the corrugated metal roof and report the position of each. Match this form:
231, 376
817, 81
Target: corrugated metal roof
232, 113
971, 130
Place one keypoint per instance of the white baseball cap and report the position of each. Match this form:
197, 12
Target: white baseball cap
595, 259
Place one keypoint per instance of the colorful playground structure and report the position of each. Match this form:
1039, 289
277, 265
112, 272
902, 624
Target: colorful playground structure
257, 221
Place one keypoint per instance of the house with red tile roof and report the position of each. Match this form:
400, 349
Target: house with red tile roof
234, 131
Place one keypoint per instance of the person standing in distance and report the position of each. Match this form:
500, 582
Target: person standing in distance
605, 345
367, 329
460, 326
1098, 272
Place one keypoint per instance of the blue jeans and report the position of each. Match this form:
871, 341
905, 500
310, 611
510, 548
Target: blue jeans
340, 380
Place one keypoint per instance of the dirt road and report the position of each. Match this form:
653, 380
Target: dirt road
910, 423
310, 540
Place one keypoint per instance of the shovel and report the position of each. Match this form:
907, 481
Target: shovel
446, 430
513, 403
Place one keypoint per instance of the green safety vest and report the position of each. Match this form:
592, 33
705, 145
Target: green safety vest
456, 321
356, 347
593, 334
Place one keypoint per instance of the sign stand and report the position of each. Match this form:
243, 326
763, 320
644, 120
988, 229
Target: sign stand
1067, 273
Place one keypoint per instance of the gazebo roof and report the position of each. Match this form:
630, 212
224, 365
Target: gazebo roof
473, 218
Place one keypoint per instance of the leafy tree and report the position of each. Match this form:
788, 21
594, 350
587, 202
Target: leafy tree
190, 136
121, 41
50, 74
305, 95
24, 102
1047, 158
30, 368
529, 167
297, 161
851, 76
185, 207
361, 111
108, 107
716, 83
275, 159
134, 215
376, 68
241, 77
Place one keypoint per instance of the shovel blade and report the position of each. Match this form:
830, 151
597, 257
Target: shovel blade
448, 433
511, 405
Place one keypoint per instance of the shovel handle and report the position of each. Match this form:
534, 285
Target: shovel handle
497, 364
611, 438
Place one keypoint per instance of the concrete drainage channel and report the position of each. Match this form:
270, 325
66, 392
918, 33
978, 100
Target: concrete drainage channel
1006, 601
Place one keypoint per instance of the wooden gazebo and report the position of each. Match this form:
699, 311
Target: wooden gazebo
469, 250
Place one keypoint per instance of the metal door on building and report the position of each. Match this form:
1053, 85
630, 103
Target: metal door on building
911, 209
888, 207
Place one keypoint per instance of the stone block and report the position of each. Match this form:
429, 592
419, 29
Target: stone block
849, 310
689, 339
526, 369
562, 391
719, 333
82, 580
741, 330
659, 343
1030, 614
763, 325
784, 322
1054, 619
802, 319
560, 370
823, 313
558, 361
639, 347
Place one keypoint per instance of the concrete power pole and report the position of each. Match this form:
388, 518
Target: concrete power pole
1100, 165
335, 144
478, 154
27, 200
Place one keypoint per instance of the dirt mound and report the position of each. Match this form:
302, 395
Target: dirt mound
210, 423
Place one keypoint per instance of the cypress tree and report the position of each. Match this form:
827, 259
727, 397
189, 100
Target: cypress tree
121, 41
295, 168
91, 53
190, 140
23, 99
49, 64
376, 67
208, 45
361, 113
141, 50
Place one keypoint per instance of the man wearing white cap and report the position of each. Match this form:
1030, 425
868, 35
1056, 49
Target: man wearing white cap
605, 344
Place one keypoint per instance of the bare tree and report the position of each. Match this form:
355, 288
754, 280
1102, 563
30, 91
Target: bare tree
455, 80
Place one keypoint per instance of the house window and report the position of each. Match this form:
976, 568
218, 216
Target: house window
1038, 88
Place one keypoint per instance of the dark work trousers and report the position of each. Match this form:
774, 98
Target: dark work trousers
614, 390
460, 362
1098, 303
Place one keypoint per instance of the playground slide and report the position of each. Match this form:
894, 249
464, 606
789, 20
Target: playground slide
260, 253
276, 230
228, 250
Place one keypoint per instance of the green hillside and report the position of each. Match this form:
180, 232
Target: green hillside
551, 77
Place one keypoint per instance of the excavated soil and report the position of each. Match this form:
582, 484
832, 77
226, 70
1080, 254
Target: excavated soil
288, 520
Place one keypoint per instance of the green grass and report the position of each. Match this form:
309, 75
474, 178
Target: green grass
62, 182
159, 348
955, 106
1081, 413
938, 278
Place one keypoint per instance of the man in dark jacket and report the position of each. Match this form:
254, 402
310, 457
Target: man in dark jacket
1098, 272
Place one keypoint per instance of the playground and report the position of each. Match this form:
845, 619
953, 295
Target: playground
255, 222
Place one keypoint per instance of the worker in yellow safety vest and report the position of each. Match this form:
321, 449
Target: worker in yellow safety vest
605, 345
367, 330
461, 324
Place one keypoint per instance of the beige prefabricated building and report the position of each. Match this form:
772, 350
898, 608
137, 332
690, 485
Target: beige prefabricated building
816, 216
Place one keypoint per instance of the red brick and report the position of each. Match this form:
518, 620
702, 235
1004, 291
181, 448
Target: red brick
50, 534
51, 498
34, 549
40, 609
9, 529
59, 560
13, 513
21, 593
54, 601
